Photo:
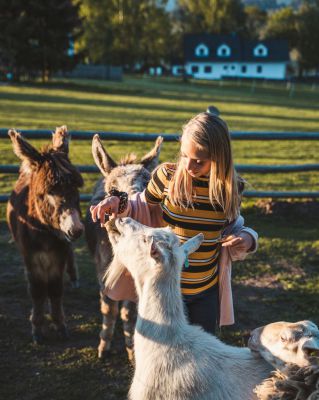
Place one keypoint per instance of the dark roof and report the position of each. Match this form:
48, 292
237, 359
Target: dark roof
241, 49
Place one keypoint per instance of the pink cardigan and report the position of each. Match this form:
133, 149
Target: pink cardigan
139, 210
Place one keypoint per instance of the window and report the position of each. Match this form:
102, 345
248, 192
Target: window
259, 69
260, 51
233, 67
201, 50
225, 67
208, 69
243, 69
223, 51
195, 69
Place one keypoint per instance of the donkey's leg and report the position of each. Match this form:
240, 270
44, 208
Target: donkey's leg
72, 269
55, 293
38, 292
128, 316
109, 310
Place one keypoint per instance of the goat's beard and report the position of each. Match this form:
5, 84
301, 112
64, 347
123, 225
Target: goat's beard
113, 273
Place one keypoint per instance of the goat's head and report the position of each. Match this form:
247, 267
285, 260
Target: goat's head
129, 175
146, 252
280, 343
53, 183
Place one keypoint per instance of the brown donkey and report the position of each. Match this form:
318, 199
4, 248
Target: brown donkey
132, 177
43, 215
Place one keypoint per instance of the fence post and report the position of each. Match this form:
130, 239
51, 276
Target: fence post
213, 110
253, 87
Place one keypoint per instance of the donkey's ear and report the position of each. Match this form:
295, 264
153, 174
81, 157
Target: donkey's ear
150, 160
60, 139
192, 244
102, 159
23, 149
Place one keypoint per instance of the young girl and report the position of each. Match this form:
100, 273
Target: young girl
200, 193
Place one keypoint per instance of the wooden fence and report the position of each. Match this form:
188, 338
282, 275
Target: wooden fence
120, 136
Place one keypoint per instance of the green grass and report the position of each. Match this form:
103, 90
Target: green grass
163, 106
280, 281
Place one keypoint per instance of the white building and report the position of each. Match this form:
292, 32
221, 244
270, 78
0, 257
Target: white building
208, 56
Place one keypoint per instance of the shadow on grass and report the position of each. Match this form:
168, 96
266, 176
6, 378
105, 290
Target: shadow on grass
280, 282
187, 92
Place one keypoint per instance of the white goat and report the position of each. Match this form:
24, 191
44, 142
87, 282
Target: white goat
175, 360
292, 348
282, 343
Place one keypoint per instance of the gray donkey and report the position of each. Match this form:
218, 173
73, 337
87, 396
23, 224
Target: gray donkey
132, 177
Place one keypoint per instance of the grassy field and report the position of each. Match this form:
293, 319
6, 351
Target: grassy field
280, 281
163, 106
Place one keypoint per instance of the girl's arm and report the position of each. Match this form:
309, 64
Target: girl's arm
240, 240
151, 197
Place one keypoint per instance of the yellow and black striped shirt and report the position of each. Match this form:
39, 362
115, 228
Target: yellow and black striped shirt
202, 271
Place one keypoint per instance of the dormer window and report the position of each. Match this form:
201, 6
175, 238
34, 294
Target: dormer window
223, 51
260, 51
201, 51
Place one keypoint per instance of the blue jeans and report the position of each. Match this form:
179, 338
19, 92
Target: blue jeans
203, 309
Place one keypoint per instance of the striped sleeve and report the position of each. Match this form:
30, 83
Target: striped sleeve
154, 193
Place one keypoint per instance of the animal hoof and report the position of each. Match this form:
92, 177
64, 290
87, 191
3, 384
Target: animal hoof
38, 338
63, 333
75, 284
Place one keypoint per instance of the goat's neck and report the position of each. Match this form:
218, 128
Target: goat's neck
160, 305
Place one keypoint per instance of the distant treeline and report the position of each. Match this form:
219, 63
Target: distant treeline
39, 38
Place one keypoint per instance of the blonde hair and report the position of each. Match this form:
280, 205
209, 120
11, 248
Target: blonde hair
209, 133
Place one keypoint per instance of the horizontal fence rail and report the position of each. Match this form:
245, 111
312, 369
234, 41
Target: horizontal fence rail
146, 137
251, 193
261, 169
149, 137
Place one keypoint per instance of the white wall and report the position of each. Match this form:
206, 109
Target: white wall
233, 69
177, 70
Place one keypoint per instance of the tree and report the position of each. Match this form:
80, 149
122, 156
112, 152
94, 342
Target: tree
35, 36
213, 16
308, 35
96, 40
282, 24
301, 29
125, 32
255, 21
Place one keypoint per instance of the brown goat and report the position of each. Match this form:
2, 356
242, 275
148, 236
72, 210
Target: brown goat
43, 215
132, 177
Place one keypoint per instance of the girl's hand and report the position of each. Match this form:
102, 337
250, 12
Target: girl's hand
243, 242
110, 206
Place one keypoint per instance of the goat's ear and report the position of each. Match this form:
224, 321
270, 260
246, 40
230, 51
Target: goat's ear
60, 139
102, 159
150, 160
192, 244
23, 149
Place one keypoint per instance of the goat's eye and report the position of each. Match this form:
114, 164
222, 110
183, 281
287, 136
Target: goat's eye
298, 334
144, 239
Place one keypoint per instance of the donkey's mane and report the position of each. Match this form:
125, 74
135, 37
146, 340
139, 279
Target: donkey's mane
63, 172
128, 159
